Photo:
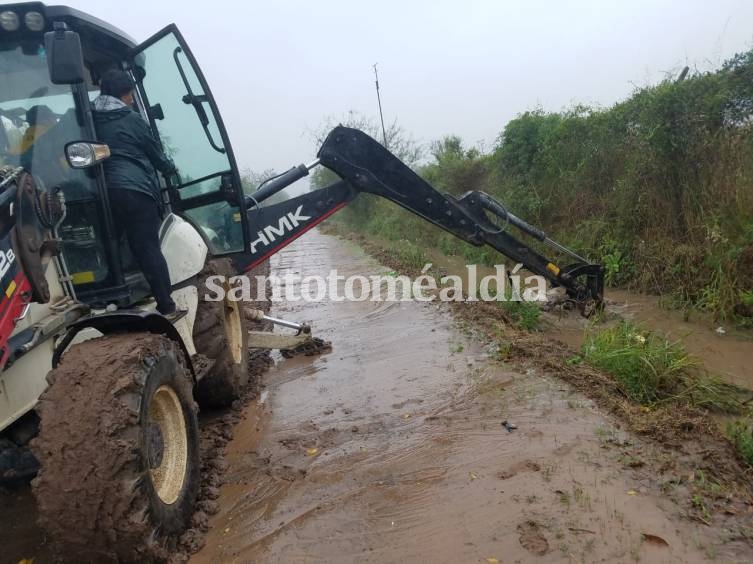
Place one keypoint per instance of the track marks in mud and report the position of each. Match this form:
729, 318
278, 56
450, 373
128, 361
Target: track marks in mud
428, 487
532, 538
216, 432
525, 466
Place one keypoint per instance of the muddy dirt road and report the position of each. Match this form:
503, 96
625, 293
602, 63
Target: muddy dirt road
399, 446
393, 448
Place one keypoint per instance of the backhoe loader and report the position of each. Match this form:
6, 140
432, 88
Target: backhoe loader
98, 392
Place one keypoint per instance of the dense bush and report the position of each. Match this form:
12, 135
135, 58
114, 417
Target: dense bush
658, 187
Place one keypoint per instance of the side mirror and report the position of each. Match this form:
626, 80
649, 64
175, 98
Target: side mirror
64, 56
83, 154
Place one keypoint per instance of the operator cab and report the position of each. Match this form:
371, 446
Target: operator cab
45, 95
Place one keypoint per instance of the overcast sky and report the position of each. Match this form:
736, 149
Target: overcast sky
467, 67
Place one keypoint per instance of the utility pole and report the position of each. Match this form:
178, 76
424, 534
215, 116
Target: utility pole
379, 100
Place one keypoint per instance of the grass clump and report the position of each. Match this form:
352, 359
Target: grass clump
646, 365
740, 434
517, 312
409, 254
651, 369
522, 314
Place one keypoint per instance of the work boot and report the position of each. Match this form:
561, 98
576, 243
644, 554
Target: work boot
175, 315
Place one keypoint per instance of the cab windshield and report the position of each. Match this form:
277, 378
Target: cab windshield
37, 120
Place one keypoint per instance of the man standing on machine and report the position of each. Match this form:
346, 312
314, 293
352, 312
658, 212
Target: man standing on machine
133, 186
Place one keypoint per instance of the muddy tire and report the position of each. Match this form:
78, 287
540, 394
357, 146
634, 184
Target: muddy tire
119, 450
220, 333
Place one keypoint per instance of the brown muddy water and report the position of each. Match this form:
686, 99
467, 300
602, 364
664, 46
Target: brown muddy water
393, 448
718, 346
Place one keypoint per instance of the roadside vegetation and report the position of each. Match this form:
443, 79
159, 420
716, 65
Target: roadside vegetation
740, 433
657, 187
651, 369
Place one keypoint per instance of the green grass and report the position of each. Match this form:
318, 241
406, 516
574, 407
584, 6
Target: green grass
524, 315
651, 369
740, 434
521, 314
646, 365
409, 254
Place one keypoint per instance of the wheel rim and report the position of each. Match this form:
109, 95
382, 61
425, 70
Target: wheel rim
233, 328
167, 444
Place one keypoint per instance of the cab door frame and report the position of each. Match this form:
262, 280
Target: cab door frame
232, 193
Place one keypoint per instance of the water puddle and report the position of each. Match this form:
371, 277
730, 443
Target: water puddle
404, 445
720, 348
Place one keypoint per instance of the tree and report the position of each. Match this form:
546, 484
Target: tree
252, 180
455, 169
399, 142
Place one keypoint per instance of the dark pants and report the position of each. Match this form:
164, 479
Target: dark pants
139, 216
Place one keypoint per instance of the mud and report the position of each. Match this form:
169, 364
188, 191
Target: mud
100, 519
22, 538
217, 429
411, 442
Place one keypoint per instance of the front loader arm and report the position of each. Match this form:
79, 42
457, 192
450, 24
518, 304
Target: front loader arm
366, 166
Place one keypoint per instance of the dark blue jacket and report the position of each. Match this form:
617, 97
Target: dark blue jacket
134, 152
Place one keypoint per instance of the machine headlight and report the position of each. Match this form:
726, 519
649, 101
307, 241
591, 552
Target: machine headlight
9, 20
34, 21
82, 154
